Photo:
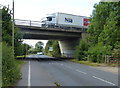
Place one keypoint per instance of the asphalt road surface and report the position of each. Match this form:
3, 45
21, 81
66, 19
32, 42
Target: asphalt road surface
43, 72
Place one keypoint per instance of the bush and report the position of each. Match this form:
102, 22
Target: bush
81, 50
10, 72
97, 53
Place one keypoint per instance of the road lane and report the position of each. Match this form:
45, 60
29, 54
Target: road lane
63, 73
45, 73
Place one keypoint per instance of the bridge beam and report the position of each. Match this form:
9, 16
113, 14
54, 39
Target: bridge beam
67, 47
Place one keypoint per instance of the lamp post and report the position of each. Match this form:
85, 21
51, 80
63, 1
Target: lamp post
13, 26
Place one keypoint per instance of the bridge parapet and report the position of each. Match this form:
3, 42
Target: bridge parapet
28, 23
38, 24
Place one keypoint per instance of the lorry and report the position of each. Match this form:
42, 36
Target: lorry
64, 20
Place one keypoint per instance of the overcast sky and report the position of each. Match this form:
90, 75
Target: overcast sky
36, 9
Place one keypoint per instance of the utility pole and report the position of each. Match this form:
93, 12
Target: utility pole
13, 27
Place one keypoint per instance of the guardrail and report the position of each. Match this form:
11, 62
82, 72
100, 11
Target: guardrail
28, 22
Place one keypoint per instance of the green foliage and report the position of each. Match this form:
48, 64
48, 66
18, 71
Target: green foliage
10, 71
104, 33
116, 50
98, 52
81, 50
56, 48
49, 44
17, 42
7, 31
23, 50
6, 26
98, 20
39, 46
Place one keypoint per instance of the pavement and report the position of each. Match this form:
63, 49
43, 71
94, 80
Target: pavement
46, 72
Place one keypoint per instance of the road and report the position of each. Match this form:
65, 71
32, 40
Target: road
43, 72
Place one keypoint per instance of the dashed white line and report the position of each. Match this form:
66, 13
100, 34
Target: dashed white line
103, 80
29, 74
81, 71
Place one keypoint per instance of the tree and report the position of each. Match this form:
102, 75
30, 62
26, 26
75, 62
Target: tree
110, 34
56, 49
104, 30
98, 20
10, 68
7, 31
39, 46
6, 26
81, 50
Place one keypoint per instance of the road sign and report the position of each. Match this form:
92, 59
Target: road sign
50, 48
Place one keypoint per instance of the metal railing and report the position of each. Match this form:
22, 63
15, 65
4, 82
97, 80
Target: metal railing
28, 23
39, 24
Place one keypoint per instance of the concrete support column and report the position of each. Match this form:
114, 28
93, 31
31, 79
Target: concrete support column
67, 47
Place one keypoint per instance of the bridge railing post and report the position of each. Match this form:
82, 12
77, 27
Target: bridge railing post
30, 23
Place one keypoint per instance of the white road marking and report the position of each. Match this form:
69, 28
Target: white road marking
103, 80
29, 74
81, 71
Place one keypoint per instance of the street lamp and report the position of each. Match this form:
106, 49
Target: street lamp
13, 27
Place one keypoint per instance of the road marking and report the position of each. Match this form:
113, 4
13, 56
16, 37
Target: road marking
103, 80
29, 74
81, 71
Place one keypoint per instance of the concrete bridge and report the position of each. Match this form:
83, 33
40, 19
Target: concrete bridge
68, 38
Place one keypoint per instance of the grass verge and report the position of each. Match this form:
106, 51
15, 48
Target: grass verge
93, 64
21, 56
19, 64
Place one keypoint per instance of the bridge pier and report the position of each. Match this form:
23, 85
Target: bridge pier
67, 47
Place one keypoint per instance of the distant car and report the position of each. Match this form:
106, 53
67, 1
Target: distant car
40, 53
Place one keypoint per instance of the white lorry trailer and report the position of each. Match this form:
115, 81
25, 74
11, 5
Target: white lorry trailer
64, 20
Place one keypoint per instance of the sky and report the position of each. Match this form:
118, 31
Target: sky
36, 9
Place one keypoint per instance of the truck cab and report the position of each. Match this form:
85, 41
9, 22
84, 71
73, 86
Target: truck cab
49, 21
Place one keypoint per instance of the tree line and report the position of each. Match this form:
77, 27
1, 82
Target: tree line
103, 34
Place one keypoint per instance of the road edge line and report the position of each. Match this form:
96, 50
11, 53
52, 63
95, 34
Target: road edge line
103, 80
29, 74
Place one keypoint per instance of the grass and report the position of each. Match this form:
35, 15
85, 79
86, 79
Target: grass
85, 62
93, 64
22, 56
57, 84
20, 63
113, 65
19, 66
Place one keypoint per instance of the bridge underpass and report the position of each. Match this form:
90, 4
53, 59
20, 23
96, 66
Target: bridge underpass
68, 38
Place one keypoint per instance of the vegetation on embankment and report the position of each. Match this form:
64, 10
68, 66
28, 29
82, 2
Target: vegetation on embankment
10, 66
21, 56
93, 64
103, 40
